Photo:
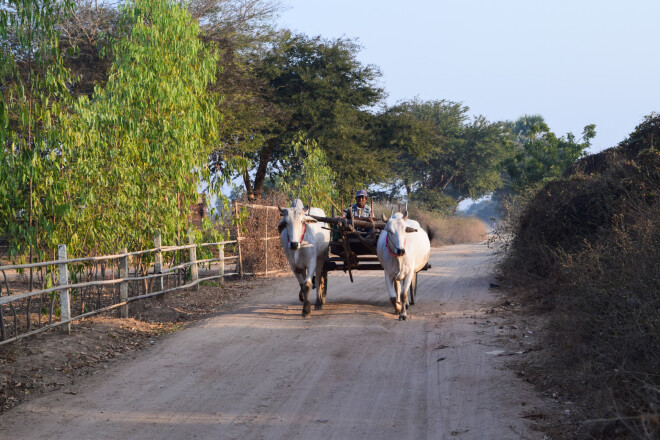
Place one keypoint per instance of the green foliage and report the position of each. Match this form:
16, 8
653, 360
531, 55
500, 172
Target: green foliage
433, 199
33, 103
539, 154
142, 142
441, 155
319, 88
308, 176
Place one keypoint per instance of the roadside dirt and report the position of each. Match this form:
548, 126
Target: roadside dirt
49, 361
256, 369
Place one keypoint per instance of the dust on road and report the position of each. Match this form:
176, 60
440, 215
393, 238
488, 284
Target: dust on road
350, 371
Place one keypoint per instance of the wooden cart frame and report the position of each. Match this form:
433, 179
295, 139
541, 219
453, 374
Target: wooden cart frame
353, 244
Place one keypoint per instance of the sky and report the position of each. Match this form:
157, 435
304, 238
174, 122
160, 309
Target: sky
574, 62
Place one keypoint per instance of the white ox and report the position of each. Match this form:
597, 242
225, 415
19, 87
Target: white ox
402, 254
305, 243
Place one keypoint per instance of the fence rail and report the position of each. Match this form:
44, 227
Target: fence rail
70, 289
186, 274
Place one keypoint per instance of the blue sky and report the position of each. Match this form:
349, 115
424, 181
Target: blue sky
573, 62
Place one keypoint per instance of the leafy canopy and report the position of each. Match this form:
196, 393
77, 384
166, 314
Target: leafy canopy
142, 142
317, 87
539, 154
309, 177
34, 101
441, 156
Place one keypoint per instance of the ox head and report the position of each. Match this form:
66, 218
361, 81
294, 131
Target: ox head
292, 226
396, 230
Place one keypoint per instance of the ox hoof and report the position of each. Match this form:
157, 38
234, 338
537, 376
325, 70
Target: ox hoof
397, 306
402, 317
318, 305
307, 310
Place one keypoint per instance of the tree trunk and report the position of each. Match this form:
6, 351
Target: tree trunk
264, 159
248, 185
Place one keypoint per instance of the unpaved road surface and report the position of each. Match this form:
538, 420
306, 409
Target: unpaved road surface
351, 371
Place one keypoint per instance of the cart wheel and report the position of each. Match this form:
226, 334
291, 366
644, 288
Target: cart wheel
413, 290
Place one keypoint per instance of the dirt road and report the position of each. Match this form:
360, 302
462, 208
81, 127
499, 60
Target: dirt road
351, 371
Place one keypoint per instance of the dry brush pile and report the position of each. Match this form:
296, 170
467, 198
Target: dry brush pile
586, 250
261, 249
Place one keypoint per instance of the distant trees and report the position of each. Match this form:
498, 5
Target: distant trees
441, 156
538, 153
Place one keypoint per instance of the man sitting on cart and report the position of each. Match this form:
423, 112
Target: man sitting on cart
360, 207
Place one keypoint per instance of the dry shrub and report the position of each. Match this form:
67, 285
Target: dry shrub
443, 229
605, 326
587, 249
261, 249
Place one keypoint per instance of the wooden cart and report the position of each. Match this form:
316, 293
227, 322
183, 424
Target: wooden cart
352, 247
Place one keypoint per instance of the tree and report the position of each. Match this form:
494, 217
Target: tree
241, 32
87, 28
539, 154
442, 157
308, 176
320, 89
33, 103
142, 142
476, 162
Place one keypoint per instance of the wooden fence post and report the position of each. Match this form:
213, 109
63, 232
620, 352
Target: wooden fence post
194, 270
221, 254
266, 241
158, 263
238, 241
65, 301
123, 286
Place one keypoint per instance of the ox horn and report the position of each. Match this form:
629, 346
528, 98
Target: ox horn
405, 215
282, 210
382, 216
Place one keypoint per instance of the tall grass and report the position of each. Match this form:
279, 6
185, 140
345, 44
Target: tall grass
442, 229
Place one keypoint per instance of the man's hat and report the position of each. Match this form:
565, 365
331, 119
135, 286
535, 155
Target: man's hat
361, 193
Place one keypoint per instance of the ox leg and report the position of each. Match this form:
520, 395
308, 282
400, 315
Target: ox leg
306, 288
319, 287
393, 288
405, 287
307, 306
300, 276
